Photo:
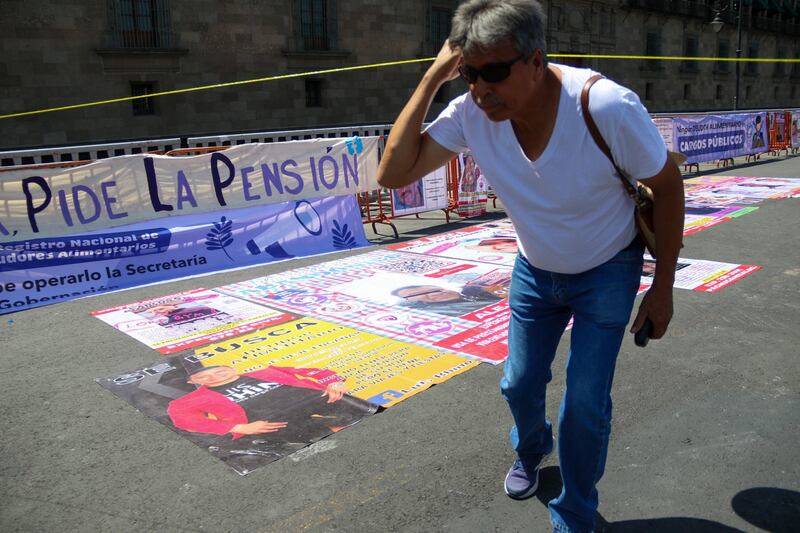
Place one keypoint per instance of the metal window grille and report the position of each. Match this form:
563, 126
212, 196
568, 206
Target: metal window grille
440, 24
779, 69
752, 67
143, 106
313, 93
690, 50
314, 24
723, 50
140, 23
652, 48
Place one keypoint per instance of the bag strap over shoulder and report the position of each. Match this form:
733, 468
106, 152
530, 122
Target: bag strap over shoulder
595, 132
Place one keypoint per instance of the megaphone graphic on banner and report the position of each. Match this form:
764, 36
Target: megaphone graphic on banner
269, 241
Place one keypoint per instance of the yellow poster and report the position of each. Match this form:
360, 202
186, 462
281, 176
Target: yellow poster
377, 369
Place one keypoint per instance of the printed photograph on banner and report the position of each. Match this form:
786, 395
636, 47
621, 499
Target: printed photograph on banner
408, 198
472, 188
51, 270
700, 275
373, 368
478, 243
444, 303
184, 320
246, 419
795, 130
426, 194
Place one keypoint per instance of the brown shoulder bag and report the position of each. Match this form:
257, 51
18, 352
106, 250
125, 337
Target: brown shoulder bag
641, 194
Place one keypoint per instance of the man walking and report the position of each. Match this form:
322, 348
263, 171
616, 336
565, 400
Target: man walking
578, 252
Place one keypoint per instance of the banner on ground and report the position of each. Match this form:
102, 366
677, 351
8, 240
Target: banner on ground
487, 243
427, 194
710, 137
731, 190
449, 304
255, 398
43, 271
246, 420
700, 217
380, 370
176, 322
700, 275
128, 189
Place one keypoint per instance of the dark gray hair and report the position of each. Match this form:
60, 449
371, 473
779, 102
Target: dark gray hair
482, 24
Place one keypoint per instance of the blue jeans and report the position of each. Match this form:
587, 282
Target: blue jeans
541, 304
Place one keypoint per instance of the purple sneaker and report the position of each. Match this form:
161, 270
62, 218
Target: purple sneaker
521, 483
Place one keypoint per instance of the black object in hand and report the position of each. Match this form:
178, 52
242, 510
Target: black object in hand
643, 335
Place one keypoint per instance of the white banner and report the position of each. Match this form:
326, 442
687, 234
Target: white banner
426, 194
127, 189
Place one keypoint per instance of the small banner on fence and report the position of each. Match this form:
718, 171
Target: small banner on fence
426, 194
472, 188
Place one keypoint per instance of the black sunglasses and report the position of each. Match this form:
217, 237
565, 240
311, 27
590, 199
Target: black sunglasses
491, 73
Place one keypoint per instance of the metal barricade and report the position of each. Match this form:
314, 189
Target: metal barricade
86, 152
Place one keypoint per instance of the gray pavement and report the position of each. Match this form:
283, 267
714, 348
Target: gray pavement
705, 434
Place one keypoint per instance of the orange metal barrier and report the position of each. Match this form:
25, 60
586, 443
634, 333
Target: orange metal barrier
779, 132
377, 207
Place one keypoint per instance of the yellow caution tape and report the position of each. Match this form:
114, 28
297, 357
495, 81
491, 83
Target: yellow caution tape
379, 65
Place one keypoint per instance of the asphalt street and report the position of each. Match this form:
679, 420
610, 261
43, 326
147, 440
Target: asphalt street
705, 432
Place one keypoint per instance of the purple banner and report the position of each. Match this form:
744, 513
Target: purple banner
44, 271
712, 137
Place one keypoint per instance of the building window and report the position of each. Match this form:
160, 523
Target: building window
776, 94
648, 91
440, 19
313, 92
605, 26
723, 50
779, 69
720, 94
690, 50
555, 17
687, 91
748, 92
317, 24
652, 48
752, 67
140, 23
143, 106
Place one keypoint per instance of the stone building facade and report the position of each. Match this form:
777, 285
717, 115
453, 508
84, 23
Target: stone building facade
63, 53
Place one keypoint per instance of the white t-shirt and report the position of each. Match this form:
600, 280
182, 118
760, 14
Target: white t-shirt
569, 208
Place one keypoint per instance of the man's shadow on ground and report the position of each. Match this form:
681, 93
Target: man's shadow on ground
771, 509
